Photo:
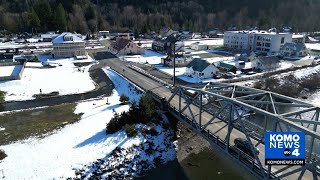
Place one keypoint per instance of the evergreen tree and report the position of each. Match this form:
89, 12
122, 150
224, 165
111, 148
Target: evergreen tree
34, 21
60, 18
43, 9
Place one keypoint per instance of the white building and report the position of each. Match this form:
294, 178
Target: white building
200, 46
265, 63
201, 68
260, 41
68, 45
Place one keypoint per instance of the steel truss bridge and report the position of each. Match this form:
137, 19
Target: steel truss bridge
222, 112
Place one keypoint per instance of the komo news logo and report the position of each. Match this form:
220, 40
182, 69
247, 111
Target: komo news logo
284, 148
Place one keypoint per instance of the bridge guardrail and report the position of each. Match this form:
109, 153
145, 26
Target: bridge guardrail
245, 159
141, 71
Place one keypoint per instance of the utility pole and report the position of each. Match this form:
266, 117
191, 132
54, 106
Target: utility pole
174, 63
97, 19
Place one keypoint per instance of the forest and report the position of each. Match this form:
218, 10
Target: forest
144, 16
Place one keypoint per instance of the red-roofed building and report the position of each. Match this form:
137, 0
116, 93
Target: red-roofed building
125, 46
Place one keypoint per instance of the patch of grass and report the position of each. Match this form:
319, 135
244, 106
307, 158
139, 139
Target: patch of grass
130, 130
36, 122
2, 96
208, 55
2, 99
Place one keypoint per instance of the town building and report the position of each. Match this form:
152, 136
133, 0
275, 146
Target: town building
294, 49
180, 61
201, 68
256, 40
48, 37
164, 45
68, 45
265, 63
166, 31
298, 38
124, 46
200, 46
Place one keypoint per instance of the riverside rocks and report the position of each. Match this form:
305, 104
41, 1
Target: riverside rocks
125, 163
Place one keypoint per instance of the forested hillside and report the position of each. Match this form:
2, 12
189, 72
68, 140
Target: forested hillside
151, 15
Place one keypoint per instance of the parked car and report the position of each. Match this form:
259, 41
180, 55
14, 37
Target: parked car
250, 73
230, 74
244, 146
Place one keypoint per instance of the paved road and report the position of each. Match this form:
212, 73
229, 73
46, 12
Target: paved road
218, 127
105, 87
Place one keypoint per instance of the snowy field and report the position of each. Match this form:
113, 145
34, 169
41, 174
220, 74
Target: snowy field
150, 57
10, 70
20, 45
67, 79
312, 46
57, 155
217, 42
169, 70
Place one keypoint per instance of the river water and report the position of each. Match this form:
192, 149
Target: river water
205, 165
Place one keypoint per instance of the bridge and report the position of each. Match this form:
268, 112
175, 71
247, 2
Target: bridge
222, 112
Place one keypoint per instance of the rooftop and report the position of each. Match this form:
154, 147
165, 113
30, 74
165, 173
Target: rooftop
66, 38
296, 47
256, 32
198, 64
268, 59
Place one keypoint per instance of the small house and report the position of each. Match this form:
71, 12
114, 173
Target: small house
125, 46
265, 63
166, 31
164, 45
226, 67
294, 49
199, 46
179, 61
201, 68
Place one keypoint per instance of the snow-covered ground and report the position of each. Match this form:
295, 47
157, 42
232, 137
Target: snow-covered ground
313, 46
67, 79
20, 45
306, 71
169, 70
58, 155
217, 42
10, 70
150, 57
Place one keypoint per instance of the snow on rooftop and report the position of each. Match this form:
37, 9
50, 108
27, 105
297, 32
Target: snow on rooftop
149, 56
256, 32
297, 36
10, 70
217, 42
67, 38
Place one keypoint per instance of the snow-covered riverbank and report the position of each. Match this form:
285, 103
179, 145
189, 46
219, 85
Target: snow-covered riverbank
83, 143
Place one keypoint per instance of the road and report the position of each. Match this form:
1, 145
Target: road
219, 128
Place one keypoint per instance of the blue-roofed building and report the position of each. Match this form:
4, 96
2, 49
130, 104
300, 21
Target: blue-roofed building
294, 49
68, 45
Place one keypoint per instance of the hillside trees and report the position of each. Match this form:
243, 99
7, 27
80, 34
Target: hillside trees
146, 16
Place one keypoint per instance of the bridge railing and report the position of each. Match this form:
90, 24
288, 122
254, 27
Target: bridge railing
235, 153
135, 68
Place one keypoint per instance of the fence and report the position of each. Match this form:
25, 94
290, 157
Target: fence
267, 74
